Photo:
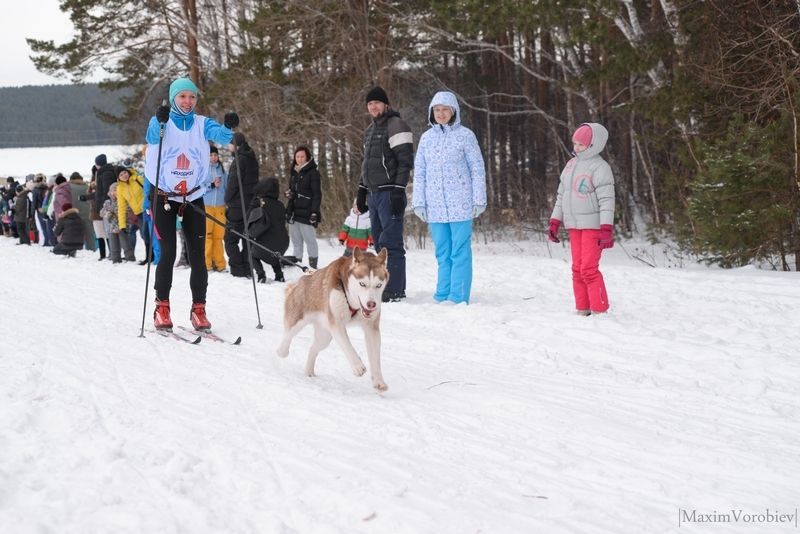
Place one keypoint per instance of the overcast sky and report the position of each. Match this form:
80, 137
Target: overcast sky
36, 19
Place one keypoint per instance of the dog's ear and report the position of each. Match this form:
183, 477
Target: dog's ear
358, 255
383, 255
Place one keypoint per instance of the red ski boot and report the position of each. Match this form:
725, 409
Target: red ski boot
198, 316
161, 315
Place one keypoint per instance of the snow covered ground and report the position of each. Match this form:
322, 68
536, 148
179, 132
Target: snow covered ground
19, 162
510, 415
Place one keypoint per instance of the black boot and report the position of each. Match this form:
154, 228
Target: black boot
313, 262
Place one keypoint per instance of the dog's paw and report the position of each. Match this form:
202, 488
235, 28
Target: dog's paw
380, 385
282, 351
310, 373
359, 369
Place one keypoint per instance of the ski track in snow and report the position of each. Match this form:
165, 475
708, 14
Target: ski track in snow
510, 415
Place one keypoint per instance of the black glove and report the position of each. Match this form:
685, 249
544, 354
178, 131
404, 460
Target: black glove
162, 114
341, 241
314, 220
82, 197
361, 200
231, 120
398, 198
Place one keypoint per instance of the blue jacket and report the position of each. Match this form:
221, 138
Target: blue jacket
449, 174
215, 196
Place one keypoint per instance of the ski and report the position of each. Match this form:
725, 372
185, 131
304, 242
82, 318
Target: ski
211, 336
178, 337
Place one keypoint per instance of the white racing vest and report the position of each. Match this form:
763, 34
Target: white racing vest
184, 158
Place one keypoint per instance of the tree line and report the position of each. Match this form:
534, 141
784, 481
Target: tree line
700, 98
58, 115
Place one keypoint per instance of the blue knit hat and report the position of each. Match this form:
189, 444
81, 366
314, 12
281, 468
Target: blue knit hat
181, 84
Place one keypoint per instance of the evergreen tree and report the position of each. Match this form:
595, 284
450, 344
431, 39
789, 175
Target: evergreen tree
741, 201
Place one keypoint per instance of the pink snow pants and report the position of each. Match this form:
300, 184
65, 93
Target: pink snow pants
587, 281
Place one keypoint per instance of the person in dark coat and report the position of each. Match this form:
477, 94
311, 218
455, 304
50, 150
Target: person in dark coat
22, 214
303, 210
79, 189
69, 232
246, 166
385, 172
106, 175
266, 224
9, 196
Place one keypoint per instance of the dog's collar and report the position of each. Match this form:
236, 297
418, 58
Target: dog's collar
353, 311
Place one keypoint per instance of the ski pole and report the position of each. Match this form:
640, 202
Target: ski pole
252, 241
161, 126
246, 233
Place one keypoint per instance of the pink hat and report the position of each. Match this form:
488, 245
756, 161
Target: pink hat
583, 135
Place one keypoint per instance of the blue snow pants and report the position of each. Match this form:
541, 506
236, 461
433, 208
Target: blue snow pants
453, 242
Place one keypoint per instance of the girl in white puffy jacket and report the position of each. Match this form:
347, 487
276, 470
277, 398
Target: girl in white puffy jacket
585, 205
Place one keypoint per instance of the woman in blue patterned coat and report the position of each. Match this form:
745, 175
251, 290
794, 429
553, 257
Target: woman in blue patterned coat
449, 191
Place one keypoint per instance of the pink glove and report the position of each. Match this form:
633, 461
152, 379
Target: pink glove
552, 232
606, 236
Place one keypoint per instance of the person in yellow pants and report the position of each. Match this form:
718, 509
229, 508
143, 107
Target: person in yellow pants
214, 200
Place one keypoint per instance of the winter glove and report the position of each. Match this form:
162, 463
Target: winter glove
421, 212
162, 114
341, 241
361, 200
314, 219
231, 120
606, 236
552, 232
398, 200
477, 210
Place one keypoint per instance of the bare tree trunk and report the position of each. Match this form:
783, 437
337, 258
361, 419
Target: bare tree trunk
190, 13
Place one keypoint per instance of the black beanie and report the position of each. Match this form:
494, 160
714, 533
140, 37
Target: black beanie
214, 150
377, 93
100, 160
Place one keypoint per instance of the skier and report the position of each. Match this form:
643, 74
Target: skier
182, 179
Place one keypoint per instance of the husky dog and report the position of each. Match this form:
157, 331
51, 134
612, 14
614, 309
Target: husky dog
347, 291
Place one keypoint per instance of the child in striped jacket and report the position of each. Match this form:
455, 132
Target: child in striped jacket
355, 232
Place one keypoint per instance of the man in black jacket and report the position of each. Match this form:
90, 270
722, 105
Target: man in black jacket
246, 166
106, 175
385, 172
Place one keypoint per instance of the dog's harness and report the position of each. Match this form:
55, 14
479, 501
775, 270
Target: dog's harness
182, 193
